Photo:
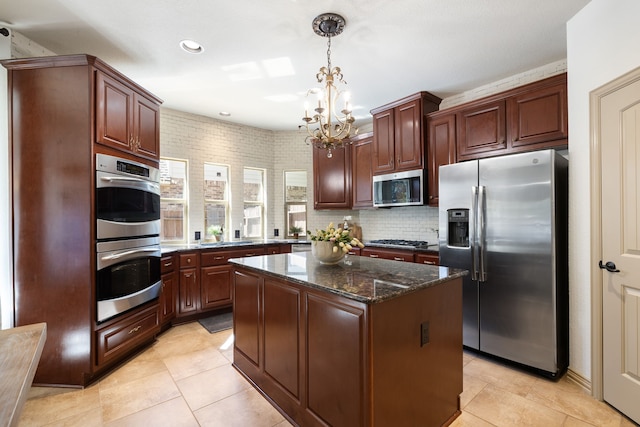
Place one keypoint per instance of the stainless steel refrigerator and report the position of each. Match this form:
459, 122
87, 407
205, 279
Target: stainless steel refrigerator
505, 220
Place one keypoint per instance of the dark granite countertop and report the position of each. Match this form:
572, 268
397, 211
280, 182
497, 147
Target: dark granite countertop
358, 278
169, 248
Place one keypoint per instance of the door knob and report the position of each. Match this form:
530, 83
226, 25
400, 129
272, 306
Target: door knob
610, 266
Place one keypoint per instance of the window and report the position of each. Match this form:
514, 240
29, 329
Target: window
253, 202
173, 200
295, 201
216, 201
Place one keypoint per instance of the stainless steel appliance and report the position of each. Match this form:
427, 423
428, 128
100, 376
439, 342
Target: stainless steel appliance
127, 235
128, 274
399, 189
505, 220
127, 198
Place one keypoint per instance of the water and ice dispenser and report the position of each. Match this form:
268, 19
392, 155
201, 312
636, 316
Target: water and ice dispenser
458, 228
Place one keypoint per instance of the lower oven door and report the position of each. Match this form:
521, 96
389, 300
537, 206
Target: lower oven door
128, 275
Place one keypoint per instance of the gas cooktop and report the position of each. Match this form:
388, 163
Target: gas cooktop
408, 244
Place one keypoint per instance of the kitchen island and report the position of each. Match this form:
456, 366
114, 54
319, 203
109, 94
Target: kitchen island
361, 343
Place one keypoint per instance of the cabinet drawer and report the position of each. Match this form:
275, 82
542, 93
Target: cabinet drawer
188, 260
167, 264
394, 255
221, 257
122, 336
428, 259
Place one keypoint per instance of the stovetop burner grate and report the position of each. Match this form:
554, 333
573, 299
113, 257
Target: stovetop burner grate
400, 242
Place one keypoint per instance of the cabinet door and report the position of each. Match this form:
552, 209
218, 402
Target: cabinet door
408, 136
332, 178
336, 365
441, 149
215, 286
383, 142
538, 119
247, 316
114, 100
189, 291
147, 127
362, 174
168, 297
482, 130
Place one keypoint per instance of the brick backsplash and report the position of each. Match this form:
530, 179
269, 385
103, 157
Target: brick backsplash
202, 139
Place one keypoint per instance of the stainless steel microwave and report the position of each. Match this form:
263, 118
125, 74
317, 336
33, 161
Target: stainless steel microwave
399, 189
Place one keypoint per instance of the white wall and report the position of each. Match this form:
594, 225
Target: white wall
603, 42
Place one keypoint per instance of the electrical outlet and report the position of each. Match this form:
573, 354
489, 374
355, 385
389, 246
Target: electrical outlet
424, 333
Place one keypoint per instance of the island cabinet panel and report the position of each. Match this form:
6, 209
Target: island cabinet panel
435, 376
324, 359
335, 361
247, 322
282, 336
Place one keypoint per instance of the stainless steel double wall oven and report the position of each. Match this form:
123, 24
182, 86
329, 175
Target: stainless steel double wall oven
127, 235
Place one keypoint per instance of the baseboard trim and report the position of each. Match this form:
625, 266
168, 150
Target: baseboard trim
579, 379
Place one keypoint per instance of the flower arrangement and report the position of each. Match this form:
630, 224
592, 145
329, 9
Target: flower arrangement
340, 238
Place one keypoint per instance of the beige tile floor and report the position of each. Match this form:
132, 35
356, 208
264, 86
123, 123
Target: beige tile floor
185, 379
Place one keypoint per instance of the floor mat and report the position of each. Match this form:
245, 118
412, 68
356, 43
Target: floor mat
217, 323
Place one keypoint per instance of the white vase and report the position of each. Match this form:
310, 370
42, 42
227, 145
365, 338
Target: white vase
323, 252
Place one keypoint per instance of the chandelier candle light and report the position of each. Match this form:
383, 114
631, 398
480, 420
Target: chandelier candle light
333, 127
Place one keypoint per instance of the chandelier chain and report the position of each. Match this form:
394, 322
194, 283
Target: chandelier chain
329, 53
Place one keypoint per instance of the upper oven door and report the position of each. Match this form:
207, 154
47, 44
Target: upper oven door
126, 206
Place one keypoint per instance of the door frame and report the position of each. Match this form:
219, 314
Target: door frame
597, 377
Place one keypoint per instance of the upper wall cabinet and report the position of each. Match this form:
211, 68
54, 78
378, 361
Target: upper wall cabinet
332, 178
126, 118
441, 150
398, 133
526, 118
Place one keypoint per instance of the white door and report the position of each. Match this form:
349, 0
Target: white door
620, 213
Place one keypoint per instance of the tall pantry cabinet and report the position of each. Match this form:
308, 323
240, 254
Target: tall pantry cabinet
60, 116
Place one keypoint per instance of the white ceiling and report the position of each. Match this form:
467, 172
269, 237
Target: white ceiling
388, 50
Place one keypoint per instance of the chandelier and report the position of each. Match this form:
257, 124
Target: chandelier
328, 128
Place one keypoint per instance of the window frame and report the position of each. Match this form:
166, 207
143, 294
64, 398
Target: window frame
300, 202
261, 204
184, 201
221, 202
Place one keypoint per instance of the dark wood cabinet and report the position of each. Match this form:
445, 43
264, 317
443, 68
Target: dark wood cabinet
526, 118
167, 300
399, 135
427, 258
189, 284
126, 119
215, 286
362, 172
482, 129
441, 145
387, 253
54, 113
332, 178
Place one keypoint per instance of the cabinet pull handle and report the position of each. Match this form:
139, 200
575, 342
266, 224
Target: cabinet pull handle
251, 254
218, 257
168, 264
395, 258
136, 329
374, 256
429, 262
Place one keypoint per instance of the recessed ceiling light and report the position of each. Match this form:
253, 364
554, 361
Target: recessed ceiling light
191, 46
224, 113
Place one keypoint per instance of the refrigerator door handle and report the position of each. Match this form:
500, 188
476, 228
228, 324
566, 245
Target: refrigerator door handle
474, 233
482, 231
